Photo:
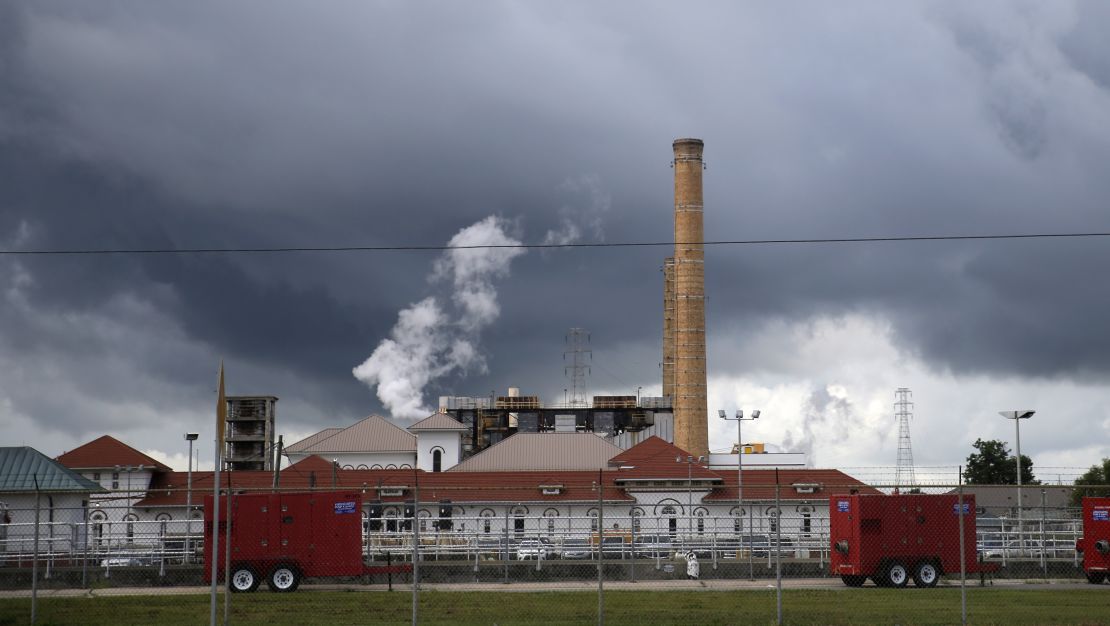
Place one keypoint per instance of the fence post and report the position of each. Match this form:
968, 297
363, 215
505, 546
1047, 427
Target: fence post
778, 549
600, 552
506, 553
415, 542
963, 555
35, 558
1044, 544
85, 560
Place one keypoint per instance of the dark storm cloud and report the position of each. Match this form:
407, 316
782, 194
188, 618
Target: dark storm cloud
219, 124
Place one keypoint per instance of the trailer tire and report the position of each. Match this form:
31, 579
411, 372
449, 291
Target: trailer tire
895, 575
853, 581
284, 578
244, 579
926, 575
1096, 578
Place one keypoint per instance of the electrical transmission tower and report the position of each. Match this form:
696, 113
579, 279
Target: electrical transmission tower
578, 369
903, 411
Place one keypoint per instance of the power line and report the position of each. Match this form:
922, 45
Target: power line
526, 246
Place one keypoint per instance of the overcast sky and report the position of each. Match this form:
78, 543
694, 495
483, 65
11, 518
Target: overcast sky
242, 124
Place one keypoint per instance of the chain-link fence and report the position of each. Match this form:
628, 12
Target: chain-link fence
429, 556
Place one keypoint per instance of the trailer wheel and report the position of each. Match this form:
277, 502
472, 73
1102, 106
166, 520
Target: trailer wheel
284, 579
244, 579
895, 575
853, 581
1096, 577
926, 575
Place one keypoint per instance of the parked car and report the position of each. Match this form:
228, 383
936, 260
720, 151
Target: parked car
531, 549
577, 549
653, 546
758, 545
124, 561
614, 547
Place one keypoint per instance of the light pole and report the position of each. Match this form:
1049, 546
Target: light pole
689, 460
1017, 416
740, 479
190, 437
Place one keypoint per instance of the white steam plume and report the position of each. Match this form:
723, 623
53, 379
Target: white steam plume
590, 214
428, 342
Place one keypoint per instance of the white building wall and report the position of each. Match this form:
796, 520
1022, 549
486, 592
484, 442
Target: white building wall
449, 441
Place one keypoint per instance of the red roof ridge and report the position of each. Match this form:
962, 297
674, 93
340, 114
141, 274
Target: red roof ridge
107, 451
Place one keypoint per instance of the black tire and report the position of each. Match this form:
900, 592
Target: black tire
1096, 578
243, 579
926, 574
853, 581
284, 578
895, 575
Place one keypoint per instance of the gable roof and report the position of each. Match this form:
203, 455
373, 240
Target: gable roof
532, 452
107, 451
311, 440
21, 466
372, 434
655, 458
438, 421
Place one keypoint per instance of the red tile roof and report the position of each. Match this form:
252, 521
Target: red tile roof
106, 452
655, 458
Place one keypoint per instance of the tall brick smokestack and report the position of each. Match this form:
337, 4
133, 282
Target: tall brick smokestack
691, 427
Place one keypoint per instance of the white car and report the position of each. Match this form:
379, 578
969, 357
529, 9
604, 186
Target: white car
531, 549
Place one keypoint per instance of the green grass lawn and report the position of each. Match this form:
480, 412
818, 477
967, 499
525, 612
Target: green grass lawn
689, 608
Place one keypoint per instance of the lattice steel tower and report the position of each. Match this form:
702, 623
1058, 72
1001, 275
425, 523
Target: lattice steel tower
578, 370
903, 412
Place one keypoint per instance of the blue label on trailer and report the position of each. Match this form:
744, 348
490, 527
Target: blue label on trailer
966, 507
1100, 515
344, 507
842, 506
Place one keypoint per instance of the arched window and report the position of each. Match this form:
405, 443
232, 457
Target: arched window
163, 520
518, 519
700, 515
98, 518
390, 516
670, 513
593, 520
424, 515
772, 519
637, 514
437, 459
737, 515
806, 513
130, 520
550, 515
486, 516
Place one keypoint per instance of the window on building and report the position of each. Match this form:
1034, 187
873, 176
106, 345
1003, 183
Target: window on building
701, 522
437, 460
637, 515
115, 480
98, 518
550, 515
130, 520
96, 476
772, 520
487, 516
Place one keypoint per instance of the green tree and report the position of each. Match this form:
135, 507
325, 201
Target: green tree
1097, 475
993, 465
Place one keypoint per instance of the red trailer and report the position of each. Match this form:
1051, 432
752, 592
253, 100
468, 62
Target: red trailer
1095, 544
890, 539
283, 537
